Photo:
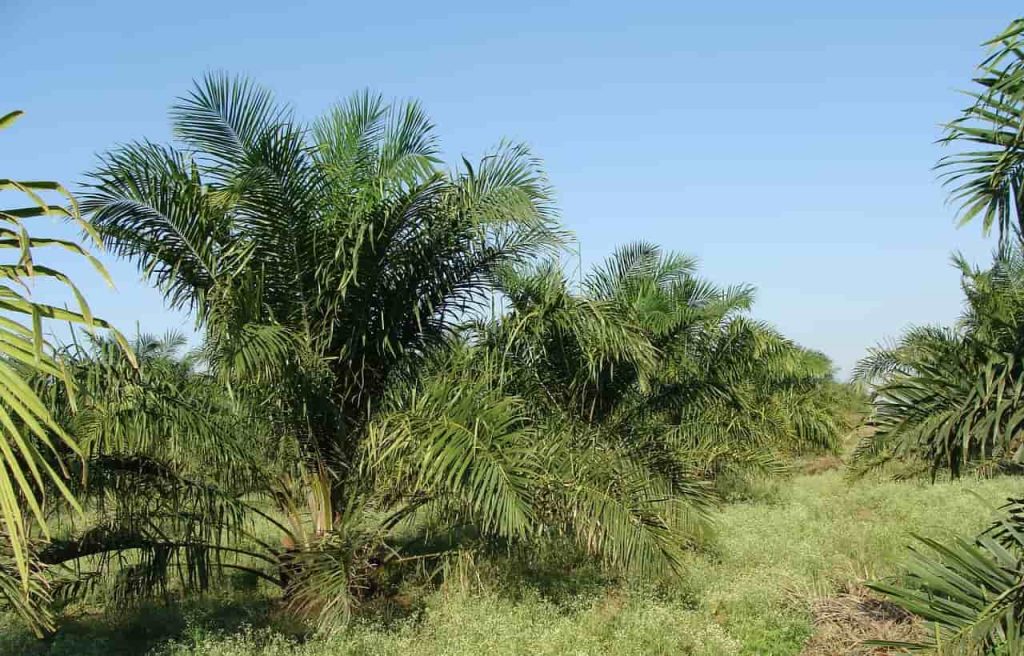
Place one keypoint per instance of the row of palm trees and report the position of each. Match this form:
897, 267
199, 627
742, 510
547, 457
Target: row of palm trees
394, 367
951, 400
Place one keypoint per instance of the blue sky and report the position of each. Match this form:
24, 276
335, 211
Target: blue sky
786, 144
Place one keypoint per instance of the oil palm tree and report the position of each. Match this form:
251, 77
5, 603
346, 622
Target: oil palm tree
650, 363
952, 400
951, 397
324, 262
573, 359
325, 266
664, 353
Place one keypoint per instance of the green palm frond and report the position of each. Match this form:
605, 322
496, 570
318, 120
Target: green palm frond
463, 442
984, 179
970, 592
152, 401
179, 232
627, 517
224, 118
29, 435
950, 397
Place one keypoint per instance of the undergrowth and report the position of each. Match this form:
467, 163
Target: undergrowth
775, 561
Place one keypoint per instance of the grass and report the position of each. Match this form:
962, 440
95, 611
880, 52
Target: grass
778, 559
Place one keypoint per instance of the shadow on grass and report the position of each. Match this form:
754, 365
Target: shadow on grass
561, 575
141, 629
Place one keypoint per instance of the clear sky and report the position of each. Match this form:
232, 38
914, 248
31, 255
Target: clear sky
786, 144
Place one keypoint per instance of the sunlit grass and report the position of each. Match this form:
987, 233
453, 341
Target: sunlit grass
751, 593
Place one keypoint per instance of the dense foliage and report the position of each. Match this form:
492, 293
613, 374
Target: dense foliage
397, 381
394, 372
29, 433
953, 398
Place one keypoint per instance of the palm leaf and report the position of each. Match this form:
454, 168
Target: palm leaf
28, 432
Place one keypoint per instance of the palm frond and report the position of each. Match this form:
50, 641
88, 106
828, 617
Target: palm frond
28, 432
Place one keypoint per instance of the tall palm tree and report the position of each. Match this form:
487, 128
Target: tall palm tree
951, 396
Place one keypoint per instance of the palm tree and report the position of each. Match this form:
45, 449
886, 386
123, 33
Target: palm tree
655, 382
322, 263
659, 351
951, 398
29, 434
326, 266
573, 359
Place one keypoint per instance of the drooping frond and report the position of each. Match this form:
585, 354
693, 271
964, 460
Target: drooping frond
985, 179
950, 397
969, 591
151, 206
461, 441
29, 434
626, 516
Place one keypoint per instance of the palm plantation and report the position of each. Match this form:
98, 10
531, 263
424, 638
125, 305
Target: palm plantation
352, 372
399, 390
394, 370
